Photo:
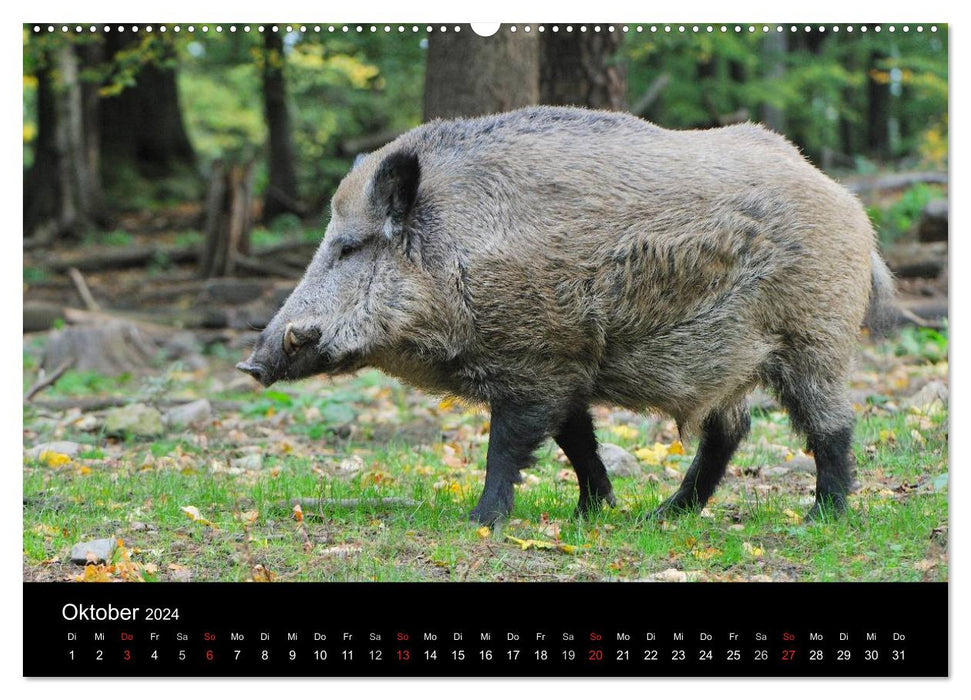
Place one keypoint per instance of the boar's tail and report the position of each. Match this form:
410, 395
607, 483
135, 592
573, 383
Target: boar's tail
882, 312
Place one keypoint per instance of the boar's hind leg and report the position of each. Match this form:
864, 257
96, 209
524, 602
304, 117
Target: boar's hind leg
821, 411
721, 433
516, 431
579, 443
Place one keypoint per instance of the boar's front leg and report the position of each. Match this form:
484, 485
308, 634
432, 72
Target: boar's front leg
579, 443
516, 431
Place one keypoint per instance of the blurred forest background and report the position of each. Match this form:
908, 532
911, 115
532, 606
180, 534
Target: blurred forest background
188, 174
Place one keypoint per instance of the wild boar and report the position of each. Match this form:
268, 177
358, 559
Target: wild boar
546, 259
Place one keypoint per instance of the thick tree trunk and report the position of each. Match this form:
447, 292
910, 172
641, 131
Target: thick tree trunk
62, 193
878, 110
42, 216
580, 69
142, 125
468, 75
281, 192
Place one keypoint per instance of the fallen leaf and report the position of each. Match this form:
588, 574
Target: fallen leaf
751, 550
54, 459
625, 432
193, 514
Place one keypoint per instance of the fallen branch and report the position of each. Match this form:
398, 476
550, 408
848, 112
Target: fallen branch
45, 381
908, 316
98, 403
83, 290
898, 181
129, 256
321, 503
266, 268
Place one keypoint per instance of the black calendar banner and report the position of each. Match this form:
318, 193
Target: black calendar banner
487, 629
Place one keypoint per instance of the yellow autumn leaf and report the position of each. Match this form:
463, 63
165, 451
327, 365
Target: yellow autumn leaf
261, 574
624, 432
676, 448
530, 544
705, 554
571, 548
752, 550
793, 516
484, 532
193, 514
888, 436
652, 455
54, 459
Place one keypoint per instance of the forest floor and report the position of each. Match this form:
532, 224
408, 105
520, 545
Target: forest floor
215, 502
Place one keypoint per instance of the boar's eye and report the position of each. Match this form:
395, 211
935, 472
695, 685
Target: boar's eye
347, 248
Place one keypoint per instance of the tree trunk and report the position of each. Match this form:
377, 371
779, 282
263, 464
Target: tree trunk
62, 190
580, 69
281, 191
468, 75
774, 59
878, 109
228, 220
144, 121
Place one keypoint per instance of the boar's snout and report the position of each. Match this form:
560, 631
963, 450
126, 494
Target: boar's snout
287, 351
256, 371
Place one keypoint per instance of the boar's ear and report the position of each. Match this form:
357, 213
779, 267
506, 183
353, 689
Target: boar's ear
395, 189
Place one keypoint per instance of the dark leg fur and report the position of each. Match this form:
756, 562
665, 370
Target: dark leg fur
516, 431
721, 433
579, 443
821, 411
833, 471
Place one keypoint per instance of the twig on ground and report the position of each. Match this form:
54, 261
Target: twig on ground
350, 502
45, 381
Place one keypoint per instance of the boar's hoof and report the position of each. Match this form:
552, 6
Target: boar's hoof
826, 509
487, 516
594, 502
489, 513
677, 505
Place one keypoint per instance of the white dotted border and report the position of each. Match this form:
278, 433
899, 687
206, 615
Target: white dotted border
414, 28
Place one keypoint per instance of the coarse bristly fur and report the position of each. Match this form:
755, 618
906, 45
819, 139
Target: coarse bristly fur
546, 259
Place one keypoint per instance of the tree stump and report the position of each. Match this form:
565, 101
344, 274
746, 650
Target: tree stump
109, 348
228, 220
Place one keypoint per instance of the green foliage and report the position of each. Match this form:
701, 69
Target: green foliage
900, 217
820, 84
924, 344
78, 383
118, 238
340, 87
345, 89
34, 274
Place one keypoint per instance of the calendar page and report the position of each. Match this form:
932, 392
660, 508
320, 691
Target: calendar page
397, 349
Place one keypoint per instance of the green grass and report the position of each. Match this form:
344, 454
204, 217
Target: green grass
369, 438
